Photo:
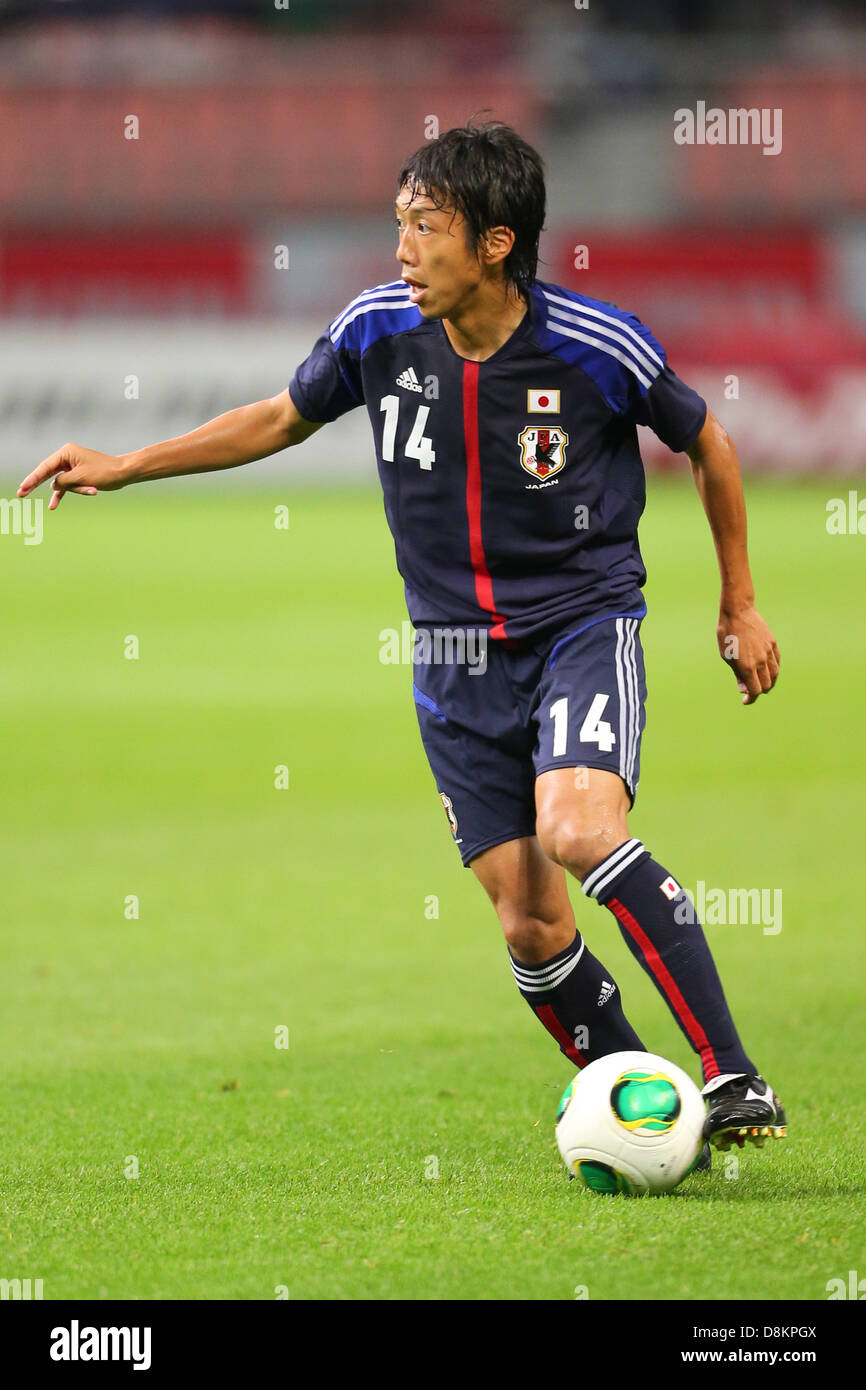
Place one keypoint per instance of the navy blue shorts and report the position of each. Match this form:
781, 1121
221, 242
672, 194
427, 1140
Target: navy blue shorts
494, 720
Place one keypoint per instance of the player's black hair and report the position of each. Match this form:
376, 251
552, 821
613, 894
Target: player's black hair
495, 179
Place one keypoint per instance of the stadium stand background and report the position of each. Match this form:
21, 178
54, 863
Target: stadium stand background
262, 127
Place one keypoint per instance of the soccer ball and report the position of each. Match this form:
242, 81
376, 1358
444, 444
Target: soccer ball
630, 1122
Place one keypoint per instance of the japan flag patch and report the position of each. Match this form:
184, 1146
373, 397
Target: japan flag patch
542, 402
670, 888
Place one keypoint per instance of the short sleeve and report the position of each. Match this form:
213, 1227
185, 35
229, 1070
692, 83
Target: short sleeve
327, 384
672, 410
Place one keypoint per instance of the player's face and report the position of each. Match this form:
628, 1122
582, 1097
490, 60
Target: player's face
435, 256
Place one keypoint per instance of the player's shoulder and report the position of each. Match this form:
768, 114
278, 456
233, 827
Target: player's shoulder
593, 333
378, 312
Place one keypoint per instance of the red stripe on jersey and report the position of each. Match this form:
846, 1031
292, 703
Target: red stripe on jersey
483, 582
556, 1030
669, 988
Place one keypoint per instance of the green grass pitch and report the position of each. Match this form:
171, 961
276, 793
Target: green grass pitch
147, 1045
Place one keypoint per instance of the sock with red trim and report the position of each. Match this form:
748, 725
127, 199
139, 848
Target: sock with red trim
578, 1002
643, 897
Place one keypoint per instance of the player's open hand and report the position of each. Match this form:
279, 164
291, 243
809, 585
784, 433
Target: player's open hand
75, 469
749, 648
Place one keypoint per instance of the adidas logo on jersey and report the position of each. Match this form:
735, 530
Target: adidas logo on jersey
607, 989
409, 381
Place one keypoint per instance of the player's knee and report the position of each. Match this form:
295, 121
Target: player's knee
533, 939
577, 843
529, 924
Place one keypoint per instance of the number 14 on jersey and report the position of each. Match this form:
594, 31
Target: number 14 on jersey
418, 445
594, 729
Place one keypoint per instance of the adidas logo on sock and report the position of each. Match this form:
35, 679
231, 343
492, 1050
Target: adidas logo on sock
408, 380
607, 990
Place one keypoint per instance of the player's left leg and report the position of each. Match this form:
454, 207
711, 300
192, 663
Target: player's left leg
582, 826
590, 717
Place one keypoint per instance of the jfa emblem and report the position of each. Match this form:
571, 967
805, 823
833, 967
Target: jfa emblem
449, 811
542, 451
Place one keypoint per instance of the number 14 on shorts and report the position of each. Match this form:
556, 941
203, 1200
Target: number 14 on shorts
594, 729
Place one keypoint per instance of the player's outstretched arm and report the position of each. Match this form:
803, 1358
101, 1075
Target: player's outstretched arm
240, 436
745, 641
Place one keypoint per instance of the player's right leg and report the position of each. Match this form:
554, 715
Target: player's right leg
568, 989
480, 752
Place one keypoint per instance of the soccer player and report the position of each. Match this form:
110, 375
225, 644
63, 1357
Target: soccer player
503, 412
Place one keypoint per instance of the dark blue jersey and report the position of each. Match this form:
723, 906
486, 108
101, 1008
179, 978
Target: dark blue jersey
513, 487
